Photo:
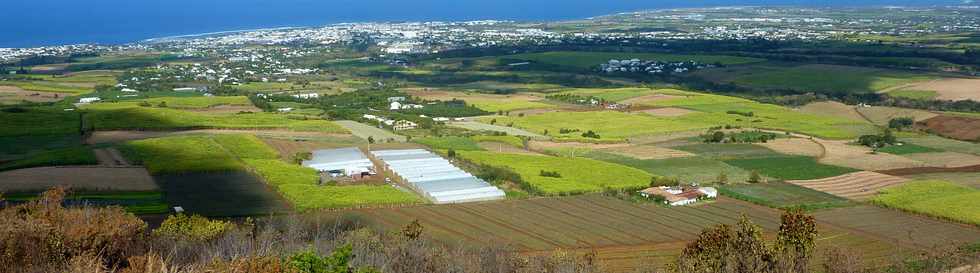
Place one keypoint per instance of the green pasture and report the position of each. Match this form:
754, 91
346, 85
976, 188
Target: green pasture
782, 195
935, 198
789, 167
578, 175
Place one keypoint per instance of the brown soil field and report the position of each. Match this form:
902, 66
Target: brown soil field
77, 178
962, 128
13, 94
629, 236
795, 146
833, 108
855, 186
951, 88
531, 112
123, 136
668, 112
842, 153
881, 115
544, 145
928, 170
947, 159
645, 152
664, 137
287, 147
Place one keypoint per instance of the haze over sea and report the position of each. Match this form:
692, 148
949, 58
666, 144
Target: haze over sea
30, 23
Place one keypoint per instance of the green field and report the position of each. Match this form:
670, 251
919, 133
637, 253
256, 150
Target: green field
58, 157
133, 202
782, 195
56, 121
450, 142
584, 59
183, 154
129, 117
612, 126
615, 94
945, 144
790, 167
907, 148
46, 86
299, 185
512, 140
189, 102
970, 179
696, 169
578, 175
814, 78
914, 94
934, 197
728, 151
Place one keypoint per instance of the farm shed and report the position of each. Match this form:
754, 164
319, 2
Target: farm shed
349, 161
436, 178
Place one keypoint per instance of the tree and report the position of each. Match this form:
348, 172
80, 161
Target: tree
900, 123
413, 230
722, 178
796, 238
370, 139
754, 177
162, 104
451, 153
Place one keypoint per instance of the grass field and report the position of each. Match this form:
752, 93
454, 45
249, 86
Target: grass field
907, 148
133, 202
46, 86
149, 118
914, 94
583, 59
935, 198
813, 78
782, 195
578, 175
58, 157
615, 94
689, 170
221, 194
945, 144
970, 179
485, 102
728, 151
789, 167
56, 122
451, 142
511, 140
189, 102
612, 126
183, 154
300, 186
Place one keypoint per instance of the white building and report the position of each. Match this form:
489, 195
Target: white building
346, 161
89, 100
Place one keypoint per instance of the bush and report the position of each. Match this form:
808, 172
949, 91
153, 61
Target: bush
194, 227
553, 174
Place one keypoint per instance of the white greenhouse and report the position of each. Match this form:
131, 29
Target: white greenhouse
436, 178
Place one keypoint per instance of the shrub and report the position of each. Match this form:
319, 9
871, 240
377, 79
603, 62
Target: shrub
553, 174
194, 227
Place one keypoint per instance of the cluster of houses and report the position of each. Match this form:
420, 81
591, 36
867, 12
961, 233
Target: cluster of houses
680, 195
651, 66
396, 125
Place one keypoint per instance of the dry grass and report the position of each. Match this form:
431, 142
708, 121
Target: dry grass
856, 186
13, 94
881, 115
832, 108
644, 152
77, 178
842, 153
795, 146
946, 159
950, 88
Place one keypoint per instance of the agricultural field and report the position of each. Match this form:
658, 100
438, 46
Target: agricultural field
694, 169
77, 178
627, 236
728, 151
485, 102
943, 89
647, 152
47, 86
365, 131
451, 142
221, 194
782, 195
104, 118
855, 186
182, 154
833, 108
190, 102
57, 157
849, 155
480, 126
880, 115
611, 126
944, 144
149, 202
11, 95
917, 232
935, 198
300, 186
813, 78
906, 149
946, 159
789, 167
795, 146
970, 179
955, 127
576, 175
25, 121
587, 60
614, 94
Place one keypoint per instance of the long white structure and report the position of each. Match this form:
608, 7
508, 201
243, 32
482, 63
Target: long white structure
349, 161
436, 178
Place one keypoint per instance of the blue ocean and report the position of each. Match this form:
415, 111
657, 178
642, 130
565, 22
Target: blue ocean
29, 23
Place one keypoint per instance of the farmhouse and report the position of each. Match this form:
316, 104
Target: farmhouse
344, 161
435, 177
404, 125
680, 196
